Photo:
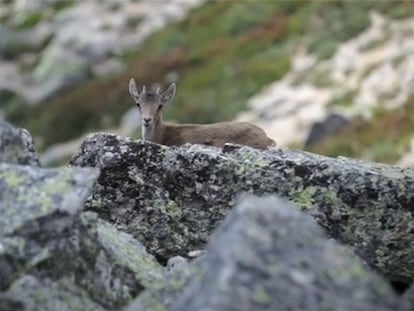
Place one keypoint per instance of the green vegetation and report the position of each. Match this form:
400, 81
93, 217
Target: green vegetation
377, 43
317, 76
384, 138
345, 99
59, 5
339, 21
13, 105
31, 19
222, 53
342, 22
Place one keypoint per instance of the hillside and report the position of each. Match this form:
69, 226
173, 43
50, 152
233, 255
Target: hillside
222, 55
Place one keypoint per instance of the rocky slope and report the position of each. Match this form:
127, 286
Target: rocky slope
295, 63
368, 72
46, 47
119, 227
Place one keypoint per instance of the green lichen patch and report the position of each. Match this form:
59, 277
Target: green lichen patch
129, 254
304, 198
170, 208
12, 178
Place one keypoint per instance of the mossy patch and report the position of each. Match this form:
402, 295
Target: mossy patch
170, 208
345, 99
62, 4
303, 198
318, 76
13, 178
260, 295
31, 19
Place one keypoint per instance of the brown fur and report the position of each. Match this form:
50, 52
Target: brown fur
216, 134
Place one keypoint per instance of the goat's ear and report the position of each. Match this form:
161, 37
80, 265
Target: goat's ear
133, 90
168, 95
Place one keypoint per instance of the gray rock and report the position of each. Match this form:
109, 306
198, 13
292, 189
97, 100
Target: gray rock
176, 263
44, 233
37, 207
407, 300
171, 199
31, 194
129, 269
167, 293
267, 255
110, 265
16, 146
29, 293
326, 128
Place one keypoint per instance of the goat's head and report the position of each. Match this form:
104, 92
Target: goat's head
150, 103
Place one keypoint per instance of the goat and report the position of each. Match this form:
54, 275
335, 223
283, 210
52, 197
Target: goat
156, 130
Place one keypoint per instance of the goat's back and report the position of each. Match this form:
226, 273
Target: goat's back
217, 134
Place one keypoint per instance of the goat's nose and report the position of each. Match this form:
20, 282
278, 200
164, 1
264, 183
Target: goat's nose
147, 120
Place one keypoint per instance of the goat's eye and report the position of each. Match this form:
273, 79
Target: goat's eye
159, 108
138, 106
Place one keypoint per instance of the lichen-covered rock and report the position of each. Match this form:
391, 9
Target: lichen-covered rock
44, 233
267, 255
31, 195
16, 145
161, 298
29, 293
37, 206
110, 265
123, 267
172, 198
